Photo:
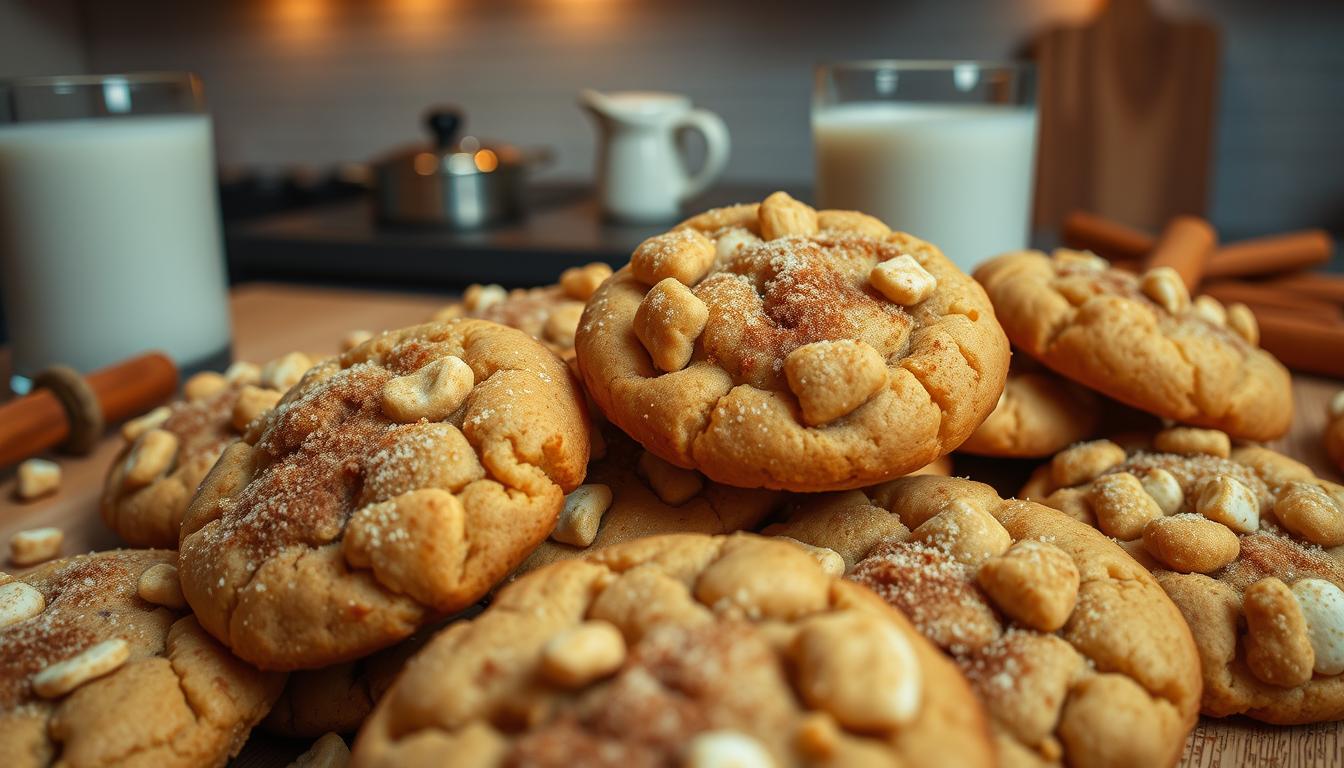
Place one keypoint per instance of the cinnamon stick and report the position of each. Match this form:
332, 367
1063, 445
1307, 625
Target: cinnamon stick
1318, 285
1270, 255
1302, 344
1262, 296
1106, 238
1186, 245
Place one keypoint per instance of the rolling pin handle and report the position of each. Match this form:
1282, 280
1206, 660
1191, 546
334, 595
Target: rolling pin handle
82, 411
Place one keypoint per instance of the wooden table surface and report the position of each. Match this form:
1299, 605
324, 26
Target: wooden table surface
270, 320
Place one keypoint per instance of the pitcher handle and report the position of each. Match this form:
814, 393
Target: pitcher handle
717, 144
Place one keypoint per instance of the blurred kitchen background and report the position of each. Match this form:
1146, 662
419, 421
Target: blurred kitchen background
303, 93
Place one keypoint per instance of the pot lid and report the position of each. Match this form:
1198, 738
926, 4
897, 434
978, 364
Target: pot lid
447, 153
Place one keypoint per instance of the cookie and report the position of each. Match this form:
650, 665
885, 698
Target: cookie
1334, 430
1250, 546
1038, 414
680, 650
393, 485
101, 664
630, 494
1073, 647
549, 313
170, 450
776, 346
339, 698
1140, 340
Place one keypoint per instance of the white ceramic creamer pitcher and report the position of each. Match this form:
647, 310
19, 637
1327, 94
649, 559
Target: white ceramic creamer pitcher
641, 175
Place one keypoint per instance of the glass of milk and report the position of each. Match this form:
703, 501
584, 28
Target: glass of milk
944, 150
110, 240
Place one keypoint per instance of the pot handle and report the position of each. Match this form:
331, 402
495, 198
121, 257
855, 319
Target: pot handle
443, 123
710, 126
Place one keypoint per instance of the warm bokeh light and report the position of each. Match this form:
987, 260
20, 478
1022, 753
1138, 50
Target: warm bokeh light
486, 161
300, 13
426, 163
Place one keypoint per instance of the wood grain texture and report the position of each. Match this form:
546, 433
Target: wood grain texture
1126, 117
271, 320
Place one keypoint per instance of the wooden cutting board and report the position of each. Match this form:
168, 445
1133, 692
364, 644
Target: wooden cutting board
1126, 117
270, 320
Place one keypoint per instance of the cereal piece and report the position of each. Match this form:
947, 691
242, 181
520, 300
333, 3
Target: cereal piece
150, 457
203, 385
35, 545
143, 423
252, 402
579, 283
1080, 463
1122, 506
832, 564
1322, 606
903, 280
329, 751
19, 602
852, 221
727, 749
562, 323
581, 518
764, 579
1242, 321
1191, 441
478, 298
353, 339
434, 392
242, 372
1164, 286
1036, 583
669, 320
1278, 649
832, 378
1190, 543
859, 669
1210, 309
781, 216
37, 478
967, 533
1164, 488
732, 240
93, 662
284, 372
1309, 513
1080, 259
684, 255
579, 655
159, 585
674, 485
1227, 500
1078, 289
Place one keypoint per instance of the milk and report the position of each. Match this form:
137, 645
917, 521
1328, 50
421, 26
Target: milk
110, 241
957, 176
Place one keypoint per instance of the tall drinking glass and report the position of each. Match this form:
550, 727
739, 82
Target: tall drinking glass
944, 150
110, 240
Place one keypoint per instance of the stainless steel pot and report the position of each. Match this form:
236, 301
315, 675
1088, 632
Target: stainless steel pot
452, 183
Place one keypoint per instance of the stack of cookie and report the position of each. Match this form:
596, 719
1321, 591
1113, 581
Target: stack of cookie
669, 521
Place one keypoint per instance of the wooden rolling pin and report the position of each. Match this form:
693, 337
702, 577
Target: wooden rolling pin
70, 411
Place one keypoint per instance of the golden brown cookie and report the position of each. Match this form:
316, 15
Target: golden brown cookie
338, 698
1334, 430
1140, 340
1250, 546
170, 449
680, 650
776, 346
630, 494
1077, 653
1038, 414
101, 664
549, 313
393, 485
